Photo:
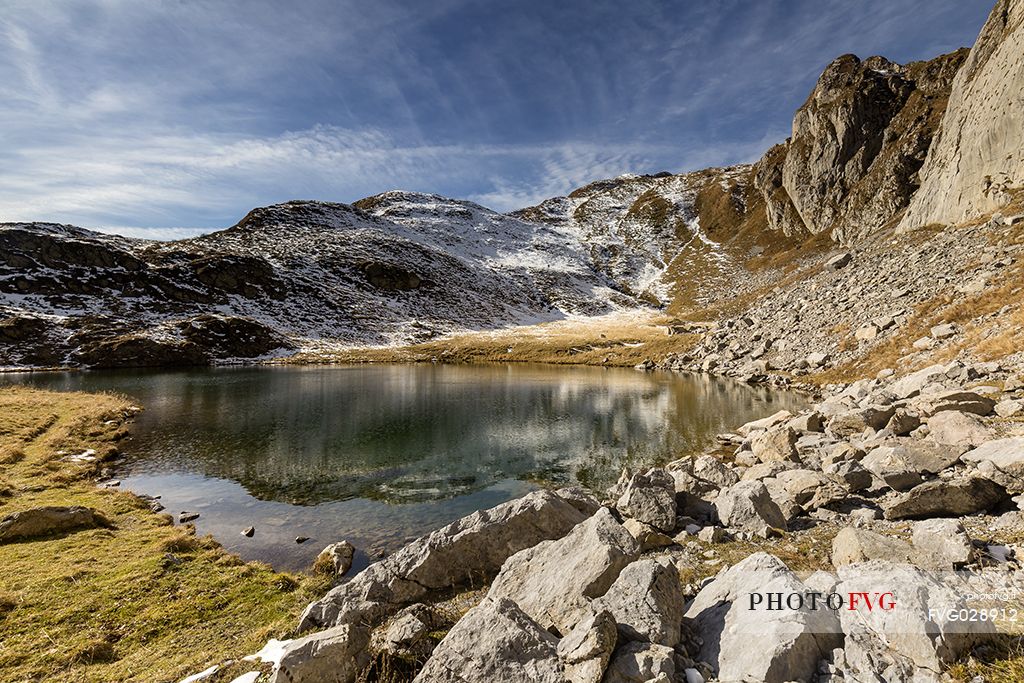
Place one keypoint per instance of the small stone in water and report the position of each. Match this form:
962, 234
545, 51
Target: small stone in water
249, 532
187, 516
301, 539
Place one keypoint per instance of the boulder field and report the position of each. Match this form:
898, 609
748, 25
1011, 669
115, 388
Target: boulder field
897, 489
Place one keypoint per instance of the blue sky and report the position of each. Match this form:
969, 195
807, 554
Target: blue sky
168, 118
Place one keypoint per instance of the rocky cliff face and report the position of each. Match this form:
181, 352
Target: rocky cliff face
976, 161
857, 144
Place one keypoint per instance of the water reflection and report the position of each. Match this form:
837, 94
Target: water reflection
382, 452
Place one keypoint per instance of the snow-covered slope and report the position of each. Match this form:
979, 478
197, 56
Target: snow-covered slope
638, 228
393, 268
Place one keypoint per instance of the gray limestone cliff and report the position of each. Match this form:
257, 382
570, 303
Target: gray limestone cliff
976, 160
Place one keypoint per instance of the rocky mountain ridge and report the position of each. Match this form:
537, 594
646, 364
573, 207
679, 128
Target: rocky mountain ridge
400, 268
396, 267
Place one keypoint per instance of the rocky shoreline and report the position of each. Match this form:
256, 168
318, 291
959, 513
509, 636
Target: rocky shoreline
901, 486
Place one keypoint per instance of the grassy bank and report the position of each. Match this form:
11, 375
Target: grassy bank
619, 340
139, 601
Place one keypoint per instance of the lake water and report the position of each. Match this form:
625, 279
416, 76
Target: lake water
378, 454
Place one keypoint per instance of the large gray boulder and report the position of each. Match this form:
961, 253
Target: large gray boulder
646, 535
775, 444
579, 498
766, 470
931, 404
788, 506
913, 639
759, 644
852, 422
650, 497
749, 506
1009, 408
963, 495
902, 466
43, 521
711, 469
406, 634
1004, 455
334, 655
555, 582
764, 423
473, 547
494, 641
853, 474
903, 422
802, 484
942, 544
810, 421
954, 428
852, 545
913, 384
647, 602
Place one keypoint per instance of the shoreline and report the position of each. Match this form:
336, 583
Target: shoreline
133, 597
275, 546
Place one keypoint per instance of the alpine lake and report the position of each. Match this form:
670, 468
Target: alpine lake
380, 454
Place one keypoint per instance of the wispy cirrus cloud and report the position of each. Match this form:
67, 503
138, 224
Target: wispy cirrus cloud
162, 176
172, 118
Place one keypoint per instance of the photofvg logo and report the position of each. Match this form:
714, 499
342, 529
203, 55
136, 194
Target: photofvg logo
814, 601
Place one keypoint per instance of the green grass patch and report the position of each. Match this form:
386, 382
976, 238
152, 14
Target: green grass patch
141, 601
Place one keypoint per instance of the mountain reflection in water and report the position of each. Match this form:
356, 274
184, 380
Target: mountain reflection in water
379, 453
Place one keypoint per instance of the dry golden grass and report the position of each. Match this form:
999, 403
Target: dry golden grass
613, 341
1001, 661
